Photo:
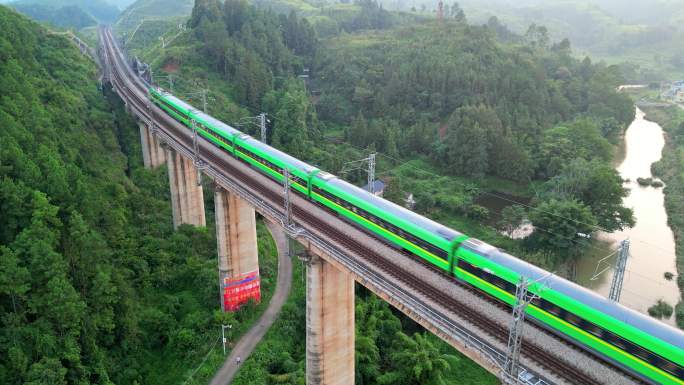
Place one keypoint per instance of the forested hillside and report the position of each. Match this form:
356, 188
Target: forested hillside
95, 286
642, 36
70, 16
470, 101
152, 10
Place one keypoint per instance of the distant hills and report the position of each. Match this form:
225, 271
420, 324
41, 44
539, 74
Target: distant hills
70, 16
69, 13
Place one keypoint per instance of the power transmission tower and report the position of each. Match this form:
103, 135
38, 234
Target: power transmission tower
286, 195
204, 100
202, 93
522, 299
169, 77
198, 162
262, 126
371, 173
516, 329
358, 165
619, 275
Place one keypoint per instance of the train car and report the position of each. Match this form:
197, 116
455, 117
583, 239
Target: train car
628, 338
651, 350
418, 235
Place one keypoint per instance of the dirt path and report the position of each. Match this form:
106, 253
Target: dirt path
244, 347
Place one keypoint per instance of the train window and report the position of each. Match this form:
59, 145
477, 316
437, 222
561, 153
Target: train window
669, 367
591, 328
617, 341
573, 319
553, 309
639, 352
172, 108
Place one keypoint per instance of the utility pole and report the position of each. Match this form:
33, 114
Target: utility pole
286, 194
440, 11
371, 173
223, 336
199, 164
619, 275
204, 100
171, 83
262, 125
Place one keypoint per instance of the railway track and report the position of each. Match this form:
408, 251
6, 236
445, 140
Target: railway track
373, 260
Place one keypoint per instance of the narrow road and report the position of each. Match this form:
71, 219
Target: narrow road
244, 347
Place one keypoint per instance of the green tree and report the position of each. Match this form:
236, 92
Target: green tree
417, 360
358, 133
291, 131
580, 139
598, 185
465, 149
204, 10
562, 226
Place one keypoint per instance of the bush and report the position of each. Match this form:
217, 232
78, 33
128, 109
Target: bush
668, 275
661, 309
477, 212
645, 181
679, 315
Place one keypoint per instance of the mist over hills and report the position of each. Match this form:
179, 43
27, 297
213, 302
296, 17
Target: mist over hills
68, 13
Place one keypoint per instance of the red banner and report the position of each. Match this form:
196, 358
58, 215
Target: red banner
239, 290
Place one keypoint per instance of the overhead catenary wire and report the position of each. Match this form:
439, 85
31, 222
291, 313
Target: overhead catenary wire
401, 163
504, 198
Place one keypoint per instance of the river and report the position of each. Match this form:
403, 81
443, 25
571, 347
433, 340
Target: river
652, 247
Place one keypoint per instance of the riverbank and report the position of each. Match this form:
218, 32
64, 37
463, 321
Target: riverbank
671, 170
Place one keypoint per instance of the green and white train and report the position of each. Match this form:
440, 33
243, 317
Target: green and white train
645, 347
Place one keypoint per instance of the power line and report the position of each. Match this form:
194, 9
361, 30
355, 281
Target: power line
401, 163
203, 361
492, 194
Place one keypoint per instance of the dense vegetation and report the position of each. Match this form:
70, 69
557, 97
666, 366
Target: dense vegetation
153, 10
473, 101
389, 349
671, 170
95, 286
454, 109
643, 37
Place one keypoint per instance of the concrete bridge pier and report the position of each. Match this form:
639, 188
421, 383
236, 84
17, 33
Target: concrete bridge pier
153, 153
329, 324
187, 198
236, 237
